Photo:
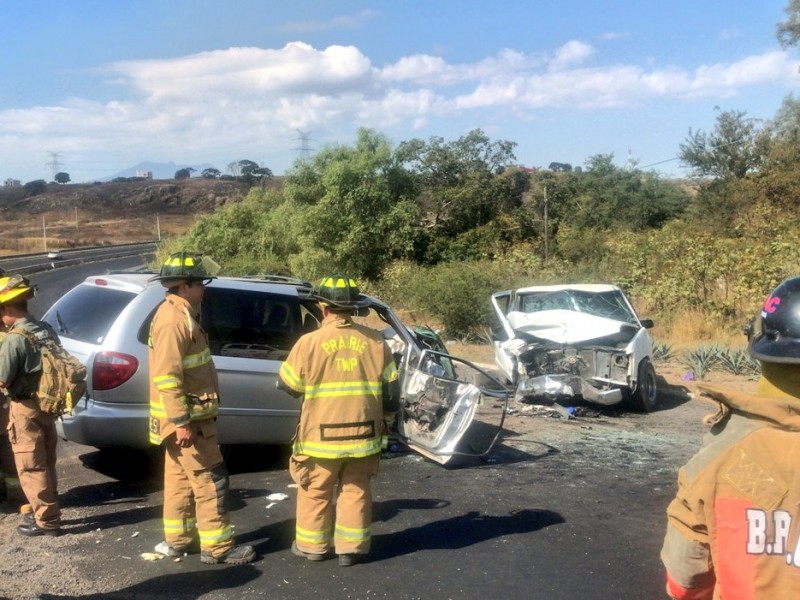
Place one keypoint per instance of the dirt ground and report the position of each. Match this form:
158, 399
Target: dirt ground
657, 443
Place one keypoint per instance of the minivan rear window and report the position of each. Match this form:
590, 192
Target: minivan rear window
252, 324
87, 312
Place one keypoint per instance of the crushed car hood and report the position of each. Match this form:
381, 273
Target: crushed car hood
563, 326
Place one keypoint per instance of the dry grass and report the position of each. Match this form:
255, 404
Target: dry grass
692, 328
59, 230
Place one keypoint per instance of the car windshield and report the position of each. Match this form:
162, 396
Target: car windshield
68, 316
610, 305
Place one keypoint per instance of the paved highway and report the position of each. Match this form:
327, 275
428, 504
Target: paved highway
55, 281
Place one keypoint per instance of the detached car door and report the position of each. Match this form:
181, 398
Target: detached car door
439, 392
439, 396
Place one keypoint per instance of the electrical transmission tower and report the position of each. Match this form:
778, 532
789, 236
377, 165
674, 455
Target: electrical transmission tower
305, 147
54, 164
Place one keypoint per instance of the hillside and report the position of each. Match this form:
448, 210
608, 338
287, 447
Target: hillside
140, 197
74, 215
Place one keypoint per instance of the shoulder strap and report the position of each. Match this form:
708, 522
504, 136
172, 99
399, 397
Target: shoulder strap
19, 330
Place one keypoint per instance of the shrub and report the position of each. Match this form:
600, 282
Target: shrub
701, 360
662, 353
738, 362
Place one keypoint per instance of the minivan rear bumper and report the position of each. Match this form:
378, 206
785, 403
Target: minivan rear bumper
106, 425
117, 425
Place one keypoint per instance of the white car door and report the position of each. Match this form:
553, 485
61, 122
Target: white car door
439, 402
505, 348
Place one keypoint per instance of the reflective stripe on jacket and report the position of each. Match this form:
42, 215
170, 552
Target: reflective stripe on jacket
734, 527
183, 380
341, 370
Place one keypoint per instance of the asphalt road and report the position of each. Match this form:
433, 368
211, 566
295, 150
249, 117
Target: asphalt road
567, 514
557, 511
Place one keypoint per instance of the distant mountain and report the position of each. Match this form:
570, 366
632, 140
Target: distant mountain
159, 170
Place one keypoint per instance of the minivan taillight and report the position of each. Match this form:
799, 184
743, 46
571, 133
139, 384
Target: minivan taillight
112, 369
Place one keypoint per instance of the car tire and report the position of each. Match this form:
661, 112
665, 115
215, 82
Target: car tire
645, 397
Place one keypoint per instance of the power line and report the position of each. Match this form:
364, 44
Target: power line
661, 162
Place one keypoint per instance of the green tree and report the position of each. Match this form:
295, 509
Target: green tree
603, 197
210, 173
252, 172
788, 31
61, 177
35, 187
184, 173
458, 187
353, 212
733, 150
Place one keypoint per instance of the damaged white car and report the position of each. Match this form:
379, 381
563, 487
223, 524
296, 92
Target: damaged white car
557, 343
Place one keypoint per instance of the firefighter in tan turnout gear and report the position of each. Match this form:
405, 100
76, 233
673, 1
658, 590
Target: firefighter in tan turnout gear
347, 378
184, 402
31, 431
734, 528
10, 488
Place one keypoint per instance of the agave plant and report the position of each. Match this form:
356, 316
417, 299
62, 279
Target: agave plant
738, 362
662, 353
701, 360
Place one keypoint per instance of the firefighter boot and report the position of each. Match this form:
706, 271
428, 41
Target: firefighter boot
307, 555
238, 555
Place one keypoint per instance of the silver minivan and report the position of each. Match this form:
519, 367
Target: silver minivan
252, 324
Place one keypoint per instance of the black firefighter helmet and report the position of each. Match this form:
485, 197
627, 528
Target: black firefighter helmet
775, 334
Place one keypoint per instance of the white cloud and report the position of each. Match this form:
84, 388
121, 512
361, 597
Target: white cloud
731, 33
613, 35
237, 72
571, 53
225, 101
341, 22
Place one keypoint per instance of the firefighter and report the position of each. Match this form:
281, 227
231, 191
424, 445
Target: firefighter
734, 527
31, 431
347, 378
10, 489
184, 402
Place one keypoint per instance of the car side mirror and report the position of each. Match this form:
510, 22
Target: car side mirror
647, 323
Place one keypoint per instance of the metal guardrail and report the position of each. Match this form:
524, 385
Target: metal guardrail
69, 257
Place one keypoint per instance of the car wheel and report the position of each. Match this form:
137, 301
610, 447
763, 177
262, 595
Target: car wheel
645, 397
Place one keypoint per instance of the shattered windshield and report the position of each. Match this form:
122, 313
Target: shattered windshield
610, 305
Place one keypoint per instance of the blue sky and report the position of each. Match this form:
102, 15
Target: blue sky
103, 85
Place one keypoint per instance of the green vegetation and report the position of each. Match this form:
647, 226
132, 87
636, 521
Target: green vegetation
706, 358
434, 227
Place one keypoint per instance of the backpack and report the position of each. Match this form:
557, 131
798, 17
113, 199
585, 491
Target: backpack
63, 377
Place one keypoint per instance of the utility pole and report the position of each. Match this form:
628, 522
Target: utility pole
158, 227
44, 233
76, 218
546, 236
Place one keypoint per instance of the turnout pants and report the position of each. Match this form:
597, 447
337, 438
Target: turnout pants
33, 438
195, 490
8, 465
321, 515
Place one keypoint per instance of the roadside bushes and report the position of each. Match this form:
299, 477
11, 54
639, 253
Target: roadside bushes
456, 294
